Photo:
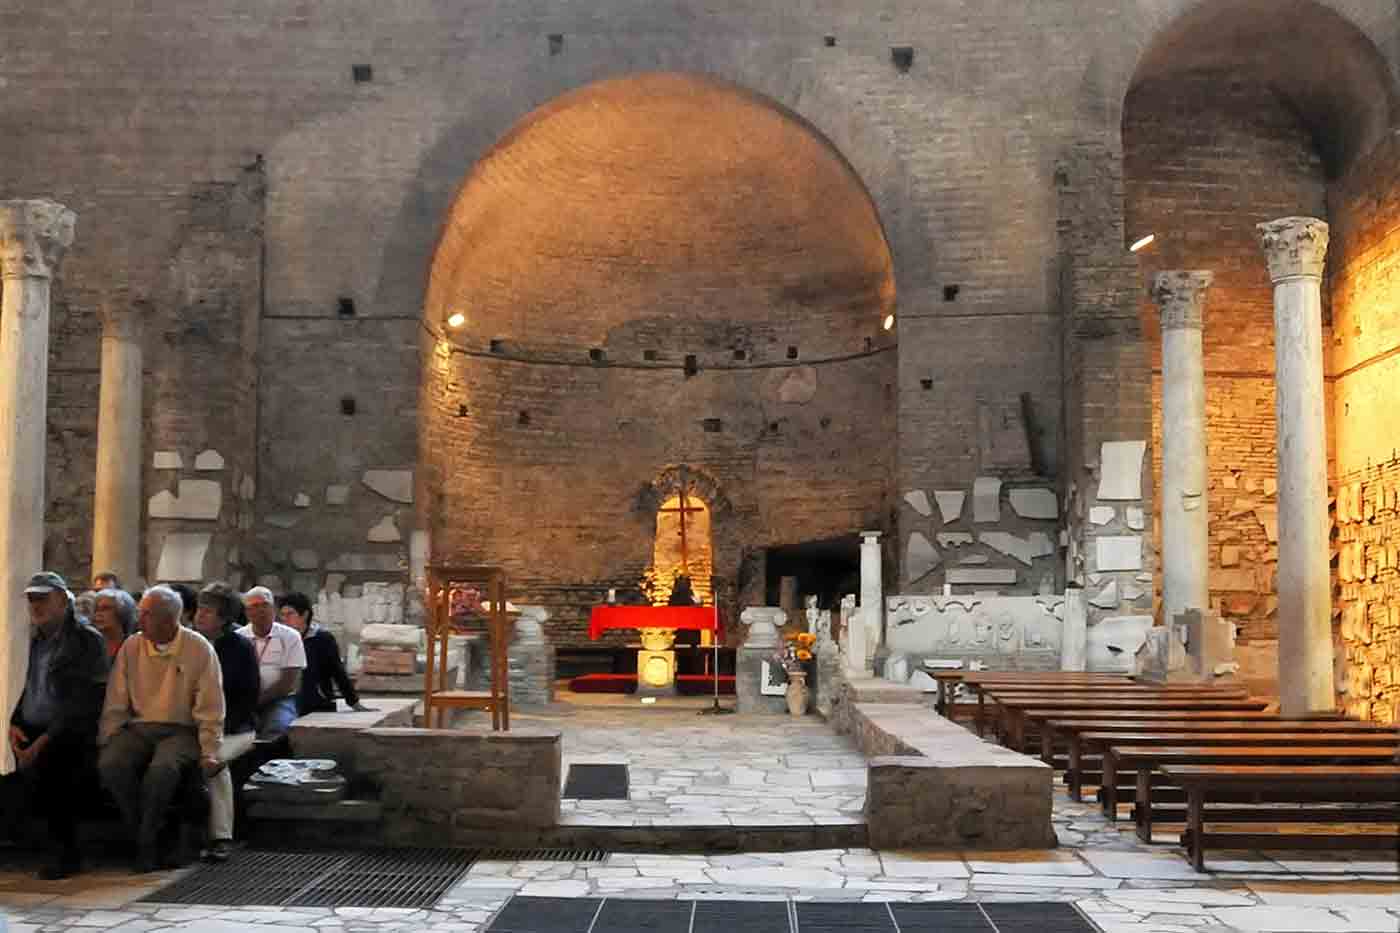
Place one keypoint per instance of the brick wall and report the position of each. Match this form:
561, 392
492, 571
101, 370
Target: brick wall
1207, 157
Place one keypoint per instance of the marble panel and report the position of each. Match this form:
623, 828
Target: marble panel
950, 504
1035, 503
986, 500
1120, 470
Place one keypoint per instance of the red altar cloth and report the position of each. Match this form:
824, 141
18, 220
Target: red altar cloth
605, 617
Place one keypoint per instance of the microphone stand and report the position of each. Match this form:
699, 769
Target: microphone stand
716, 709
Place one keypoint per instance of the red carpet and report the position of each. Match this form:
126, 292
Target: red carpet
686, 684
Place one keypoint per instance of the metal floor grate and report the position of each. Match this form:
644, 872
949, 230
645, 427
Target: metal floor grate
595, 782
542, 855
621, 915
372, 878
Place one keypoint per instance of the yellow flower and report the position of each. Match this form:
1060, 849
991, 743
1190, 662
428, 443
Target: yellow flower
806, 639
803, 654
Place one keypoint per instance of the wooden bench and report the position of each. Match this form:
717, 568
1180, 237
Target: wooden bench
1264, 783
946, 679
1144, 759
1107, 690
1011, 710
1053, 726
1083, 743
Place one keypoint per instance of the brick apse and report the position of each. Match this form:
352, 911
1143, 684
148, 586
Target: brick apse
300, 193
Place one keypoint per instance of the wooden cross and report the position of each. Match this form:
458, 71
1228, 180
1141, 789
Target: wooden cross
683, 510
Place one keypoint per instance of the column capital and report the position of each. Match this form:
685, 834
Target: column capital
122, 317
33, 237
1295, 247
1181, 297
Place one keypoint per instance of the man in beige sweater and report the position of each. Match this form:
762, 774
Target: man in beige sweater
164, 710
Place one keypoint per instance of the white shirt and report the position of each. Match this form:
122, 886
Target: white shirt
280, 650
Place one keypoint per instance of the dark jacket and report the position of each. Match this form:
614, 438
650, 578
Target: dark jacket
324, 673
239, 663
78, 675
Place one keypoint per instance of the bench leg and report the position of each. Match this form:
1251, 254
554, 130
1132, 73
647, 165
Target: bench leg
1047, 745
1075, 764
1108, 790
1195, 811
1143, 799
981, 714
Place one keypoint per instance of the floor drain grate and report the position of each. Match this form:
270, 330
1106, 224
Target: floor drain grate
542, 855
596, 782
373, 878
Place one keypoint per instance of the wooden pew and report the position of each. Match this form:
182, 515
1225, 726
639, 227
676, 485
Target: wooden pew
1290, 784
1144, 759
946, 679
1052, 725
1106, 692
1012, 709
1083, 743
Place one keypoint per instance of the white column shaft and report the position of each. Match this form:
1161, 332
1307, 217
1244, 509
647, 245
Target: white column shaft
116, 521
872, 593
1296, 248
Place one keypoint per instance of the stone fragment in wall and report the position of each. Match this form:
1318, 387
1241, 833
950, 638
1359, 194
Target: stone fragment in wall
1008, 544
918, 501
1230, 481
1240, 579
1143, 578
281, 519
209, 460
1229, 555
954, 538
1132, 593
304, 558
973, 560
1035, 503
232, 558
1118, 552
1270, 486
799, 386
337, 494
386, 531
1134, 517
1239, 604
980, 576
986, 500
301, 501
920, 557
1242, 507
182, 556
1106, 598
1268, 517
167, 460
367, 563
950, 504
394, 485
247, 488
1113, 642
197, 499
1102, 514
1250, 484
1120, 470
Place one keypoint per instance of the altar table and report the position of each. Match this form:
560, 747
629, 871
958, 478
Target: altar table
689, 617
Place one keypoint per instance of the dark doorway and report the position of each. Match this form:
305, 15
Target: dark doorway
826, 569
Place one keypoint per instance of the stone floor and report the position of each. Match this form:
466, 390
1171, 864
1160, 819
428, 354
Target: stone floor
732, 768
691, 770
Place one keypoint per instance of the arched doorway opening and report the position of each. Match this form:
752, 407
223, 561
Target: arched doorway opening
1222, 130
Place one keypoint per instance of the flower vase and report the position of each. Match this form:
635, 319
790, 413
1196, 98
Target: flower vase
797, 693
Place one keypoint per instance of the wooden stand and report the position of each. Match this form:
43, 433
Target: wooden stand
490, 583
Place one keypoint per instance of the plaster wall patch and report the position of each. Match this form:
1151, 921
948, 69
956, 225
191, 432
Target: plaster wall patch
1120, 470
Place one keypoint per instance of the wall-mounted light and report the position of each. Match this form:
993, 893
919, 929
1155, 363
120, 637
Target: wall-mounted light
456, 319
889, 322
1143, 243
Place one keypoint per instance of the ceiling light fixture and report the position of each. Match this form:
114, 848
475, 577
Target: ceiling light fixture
1143, 243
889, 322
456, 319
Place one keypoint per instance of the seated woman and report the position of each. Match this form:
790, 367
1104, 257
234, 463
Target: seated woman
324, 669
114, 615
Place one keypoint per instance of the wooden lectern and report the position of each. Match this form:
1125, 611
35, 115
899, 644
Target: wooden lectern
458, 595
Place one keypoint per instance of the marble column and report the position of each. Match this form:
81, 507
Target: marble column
116, 517
33, 237
1181, 297
1074, 643
1296, 248
872, 595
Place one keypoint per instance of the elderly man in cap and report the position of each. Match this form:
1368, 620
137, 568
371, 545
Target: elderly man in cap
281, 659
53, 730
164, 712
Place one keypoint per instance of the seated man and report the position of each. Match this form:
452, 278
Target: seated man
281, 659
164, 711
54, 728
217, 618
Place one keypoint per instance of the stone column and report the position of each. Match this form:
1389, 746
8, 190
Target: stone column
1296, 248
872, 594
33, 237
116, 515
1181, 296
1074, 646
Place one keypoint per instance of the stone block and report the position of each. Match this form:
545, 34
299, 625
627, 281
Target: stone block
954, 538
167, 460
394, 485
1134, 517
379, 660
1112, 643
920, 557
391, 636
197, 499
1035, 503
1117, 552
950, 504
182, 556
1120, 470
986, 500
1102, 514
209, 460
977, 576
918, 501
